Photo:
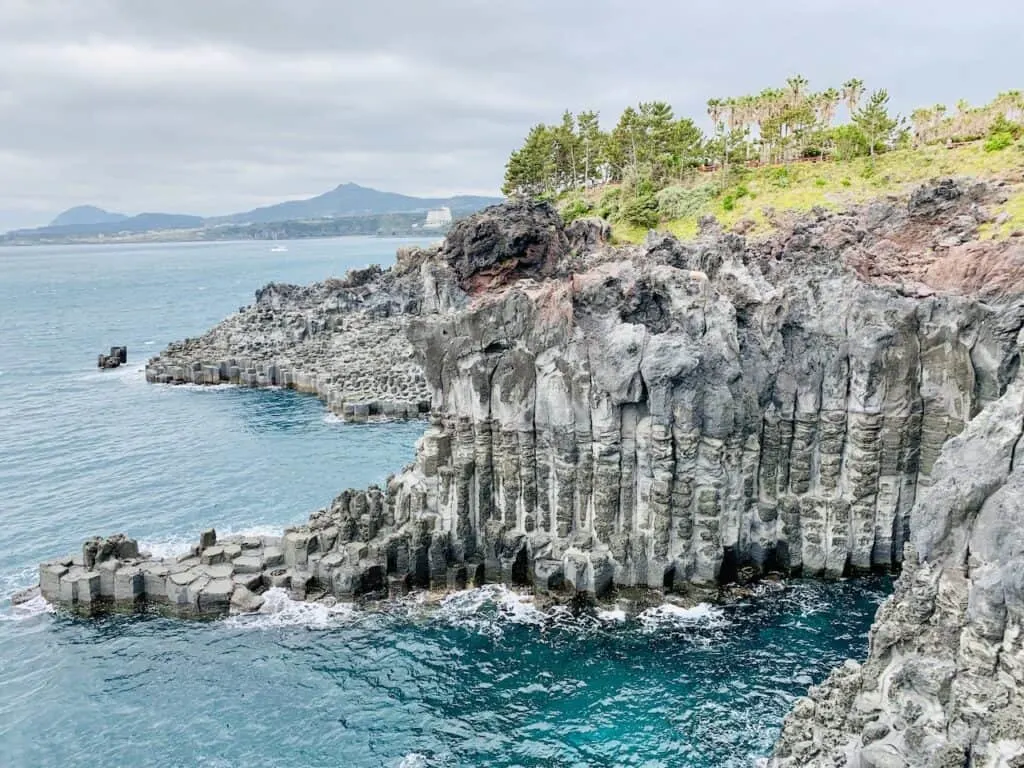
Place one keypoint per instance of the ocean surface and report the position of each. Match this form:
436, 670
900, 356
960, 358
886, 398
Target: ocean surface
484, 679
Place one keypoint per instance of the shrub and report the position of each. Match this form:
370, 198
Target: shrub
778, 176
820, 182
608, 207
846, 182
641, 211
1002, 125
998, 141
741, 191
849, 142
728, 202
684, 202
576, 209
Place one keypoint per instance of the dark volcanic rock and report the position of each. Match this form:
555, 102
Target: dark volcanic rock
588, 234
933, 200
506, 242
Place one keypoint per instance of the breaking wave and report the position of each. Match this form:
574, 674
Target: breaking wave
488, 611
280, 610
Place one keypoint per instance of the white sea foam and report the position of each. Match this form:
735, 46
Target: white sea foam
669, 615
280, 610
199, 387
170, 546
124, 373
808, 598
28, 610
612, 615
484, 609
179, 544
414, 760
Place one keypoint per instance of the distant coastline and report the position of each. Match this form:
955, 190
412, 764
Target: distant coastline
348, 209
378, 225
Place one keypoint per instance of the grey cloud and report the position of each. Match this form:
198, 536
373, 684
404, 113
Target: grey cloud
209, 106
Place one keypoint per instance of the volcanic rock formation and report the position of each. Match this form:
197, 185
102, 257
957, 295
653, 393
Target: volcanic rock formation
680, 414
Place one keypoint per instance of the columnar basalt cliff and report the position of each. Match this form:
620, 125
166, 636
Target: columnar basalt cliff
943, 684
682, 413
674, 416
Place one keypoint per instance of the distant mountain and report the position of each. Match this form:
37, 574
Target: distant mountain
345, 200
84, 215
353, 200
144, 222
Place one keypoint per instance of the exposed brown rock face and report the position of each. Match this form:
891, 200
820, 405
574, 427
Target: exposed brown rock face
679, 414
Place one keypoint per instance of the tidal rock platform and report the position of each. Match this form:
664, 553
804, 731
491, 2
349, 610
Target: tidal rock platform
215, 577
343, 340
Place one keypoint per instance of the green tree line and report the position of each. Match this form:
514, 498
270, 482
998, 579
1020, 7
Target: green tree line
650, 148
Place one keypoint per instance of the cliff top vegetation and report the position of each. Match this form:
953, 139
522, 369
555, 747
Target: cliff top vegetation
783, 149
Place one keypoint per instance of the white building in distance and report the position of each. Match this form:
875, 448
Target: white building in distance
437, 218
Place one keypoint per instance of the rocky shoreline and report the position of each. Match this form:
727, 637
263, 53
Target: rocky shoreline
840, 397
342, 340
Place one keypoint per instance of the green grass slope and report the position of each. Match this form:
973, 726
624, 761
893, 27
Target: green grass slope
752, 197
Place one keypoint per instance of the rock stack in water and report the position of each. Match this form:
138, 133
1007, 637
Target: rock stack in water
118, 356
840, 396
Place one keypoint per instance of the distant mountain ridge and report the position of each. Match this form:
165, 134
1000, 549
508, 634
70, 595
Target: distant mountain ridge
85, 215
84, 224
354, 200
343, 201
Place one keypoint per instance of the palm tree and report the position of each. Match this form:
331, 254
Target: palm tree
715, 107
853, 89
797, 85
745, 108
941, 126
827, 102
771, 107
1009, 104
923, 120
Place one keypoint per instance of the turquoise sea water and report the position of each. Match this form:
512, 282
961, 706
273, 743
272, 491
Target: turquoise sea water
483, 680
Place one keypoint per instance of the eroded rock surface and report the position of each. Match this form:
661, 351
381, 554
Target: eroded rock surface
943, 684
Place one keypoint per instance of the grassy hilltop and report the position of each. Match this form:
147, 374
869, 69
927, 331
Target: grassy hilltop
777, 151
756, 195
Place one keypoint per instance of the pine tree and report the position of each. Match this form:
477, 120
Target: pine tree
591, 142
530, 170
874, 121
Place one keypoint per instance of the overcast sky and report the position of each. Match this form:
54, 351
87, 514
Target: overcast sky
215, 106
